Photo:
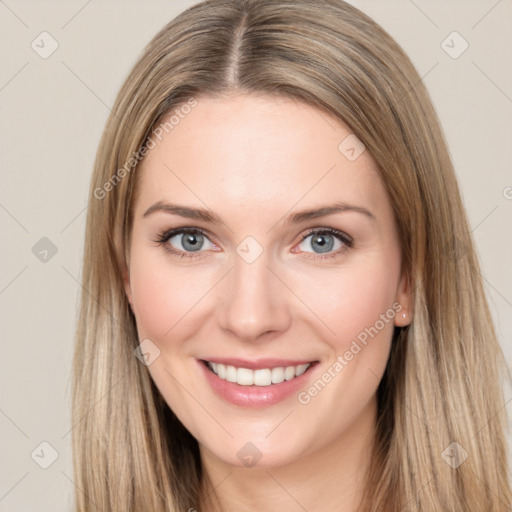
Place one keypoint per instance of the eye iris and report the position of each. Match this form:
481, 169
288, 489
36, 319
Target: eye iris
324, 246
194, 239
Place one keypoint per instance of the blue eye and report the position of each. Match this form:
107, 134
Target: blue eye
184, 242
325, 240
190, 240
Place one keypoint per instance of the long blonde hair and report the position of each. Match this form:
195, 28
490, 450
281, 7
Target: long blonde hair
442, 383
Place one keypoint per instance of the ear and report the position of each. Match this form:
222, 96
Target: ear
404, 297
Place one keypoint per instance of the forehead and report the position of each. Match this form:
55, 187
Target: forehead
249, 152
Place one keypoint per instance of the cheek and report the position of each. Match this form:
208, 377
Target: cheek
165, 295
352, 300
356, 304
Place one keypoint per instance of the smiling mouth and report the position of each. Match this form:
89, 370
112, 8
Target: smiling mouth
261, 377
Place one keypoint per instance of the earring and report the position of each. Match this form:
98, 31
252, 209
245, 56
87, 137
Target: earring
404, 316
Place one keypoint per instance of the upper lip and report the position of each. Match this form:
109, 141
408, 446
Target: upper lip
257, 364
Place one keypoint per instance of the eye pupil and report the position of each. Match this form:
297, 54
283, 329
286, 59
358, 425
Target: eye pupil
324, 246
194, 239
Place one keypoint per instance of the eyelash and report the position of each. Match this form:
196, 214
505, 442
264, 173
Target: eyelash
164, 237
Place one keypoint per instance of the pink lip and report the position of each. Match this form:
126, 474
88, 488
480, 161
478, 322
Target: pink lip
256, 365
255, 396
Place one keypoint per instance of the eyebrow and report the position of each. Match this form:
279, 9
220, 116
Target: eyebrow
294, 218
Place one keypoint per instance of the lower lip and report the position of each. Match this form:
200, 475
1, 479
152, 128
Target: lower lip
255, 396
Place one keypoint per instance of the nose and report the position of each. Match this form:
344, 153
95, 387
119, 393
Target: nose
254, 301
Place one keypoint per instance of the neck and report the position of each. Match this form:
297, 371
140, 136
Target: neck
331, 478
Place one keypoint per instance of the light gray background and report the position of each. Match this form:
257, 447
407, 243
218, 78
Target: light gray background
53, 112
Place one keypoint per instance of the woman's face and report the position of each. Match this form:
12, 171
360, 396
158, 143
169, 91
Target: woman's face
258, 286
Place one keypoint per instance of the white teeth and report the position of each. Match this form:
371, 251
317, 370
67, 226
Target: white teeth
289, 372
220, 370
244, 377
277, 375
300, 369
261, 377
230, 373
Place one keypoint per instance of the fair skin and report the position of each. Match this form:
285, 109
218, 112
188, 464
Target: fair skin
254, 161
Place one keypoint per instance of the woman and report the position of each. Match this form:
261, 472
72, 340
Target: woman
282, 307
